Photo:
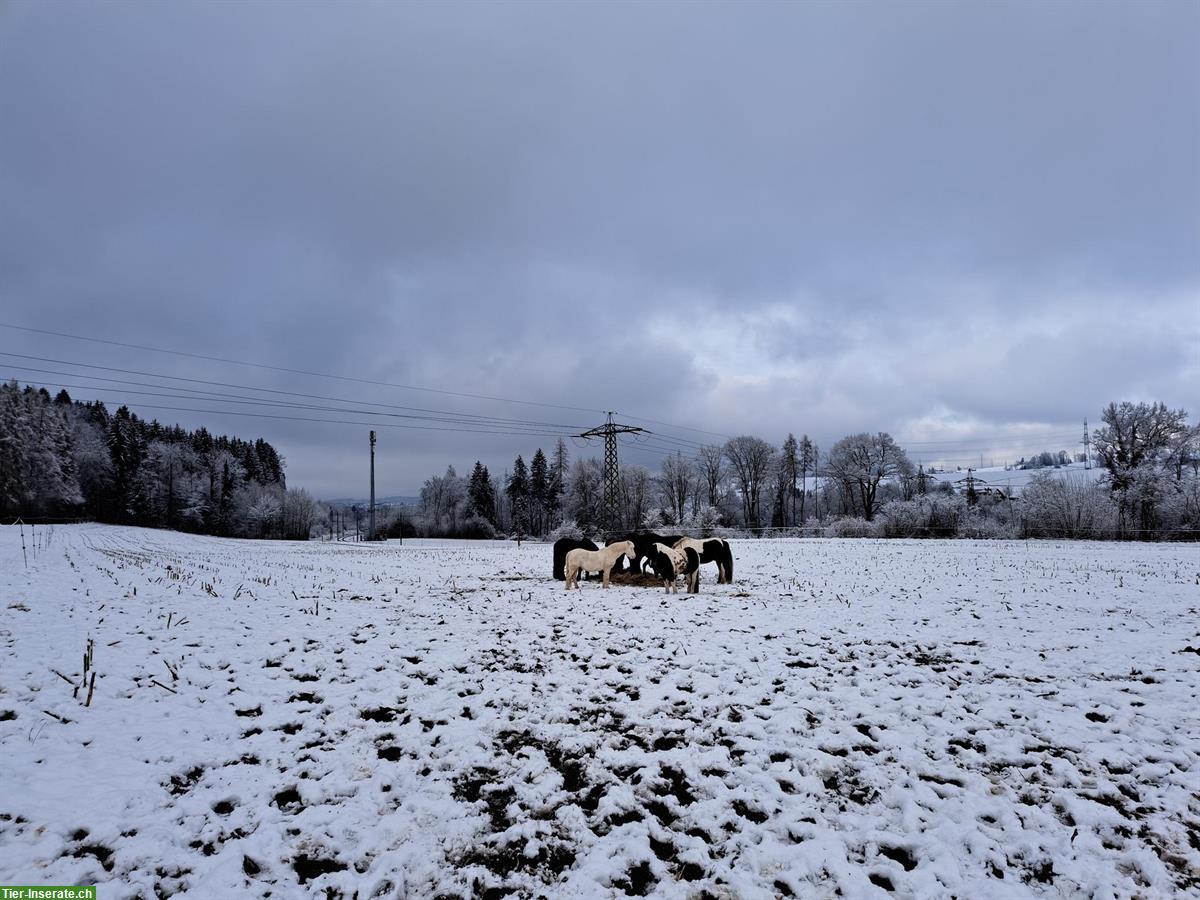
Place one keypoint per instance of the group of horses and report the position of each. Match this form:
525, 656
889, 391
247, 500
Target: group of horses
669, 556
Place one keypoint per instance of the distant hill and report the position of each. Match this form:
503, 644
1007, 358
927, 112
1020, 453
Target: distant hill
999, 477
379, 501
1015, 479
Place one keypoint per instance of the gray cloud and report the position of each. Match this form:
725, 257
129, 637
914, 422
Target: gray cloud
960, 221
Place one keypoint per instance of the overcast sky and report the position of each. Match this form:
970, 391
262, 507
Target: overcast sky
970, 223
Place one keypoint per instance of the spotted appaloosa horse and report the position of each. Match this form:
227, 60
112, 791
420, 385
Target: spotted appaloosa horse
670, 563
712, 550
595, 561
562, 547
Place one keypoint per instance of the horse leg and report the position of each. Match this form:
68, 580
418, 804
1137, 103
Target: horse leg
604, 577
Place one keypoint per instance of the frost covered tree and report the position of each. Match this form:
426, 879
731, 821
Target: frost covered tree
636, 498
789, 462
750, 460
1139, 444
710, 460
585, 495
558, 480
859, 462
481, 497
676, 482
299, 513
539, 493
806, 463
517, 491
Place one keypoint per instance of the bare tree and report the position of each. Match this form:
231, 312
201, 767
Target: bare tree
711, 462
751, 459
676, 483
861, 461
635, 493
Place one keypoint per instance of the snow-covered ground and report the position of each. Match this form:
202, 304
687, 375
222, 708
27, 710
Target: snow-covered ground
439, 719
1014, 481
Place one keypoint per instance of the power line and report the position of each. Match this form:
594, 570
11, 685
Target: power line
473, 416
241, 362
275, 404
227, 412
313, 374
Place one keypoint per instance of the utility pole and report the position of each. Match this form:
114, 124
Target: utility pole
612, 472
371, 525
1087, 447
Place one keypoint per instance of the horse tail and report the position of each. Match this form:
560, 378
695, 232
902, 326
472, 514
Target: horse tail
727, 553
693, 560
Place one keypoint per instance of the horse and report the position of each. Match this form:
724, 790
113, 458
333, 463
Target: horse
595, 561
644, 545
562, 547
670, 563
712, 550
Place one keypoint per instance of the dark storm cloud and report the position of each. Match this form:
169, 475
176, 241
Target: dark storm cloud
738, 217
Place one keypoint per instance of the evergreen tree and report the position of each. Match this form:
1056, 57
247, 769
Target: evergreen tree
807, 463
225, 503
126, 446
539, 491
518, 496
480, 495
556, 491
790, 465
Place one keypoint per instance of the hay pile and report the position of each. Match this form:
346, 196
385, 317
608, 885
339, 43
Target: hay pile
637, 579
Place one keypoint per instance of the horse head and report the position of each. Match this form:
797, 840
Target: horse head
630, 550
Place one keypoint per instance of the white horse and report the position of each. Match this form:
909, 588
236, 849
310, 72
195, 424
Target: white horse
596, 561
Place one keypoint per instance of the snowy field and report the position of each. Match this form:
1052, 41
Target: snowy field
850, 718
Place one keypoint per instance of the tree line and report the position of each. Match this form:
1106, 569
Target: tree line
863, 485
61, 458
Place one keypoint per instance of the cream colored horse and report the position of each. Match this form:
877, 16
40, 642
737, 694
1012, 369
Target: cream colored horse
596, 561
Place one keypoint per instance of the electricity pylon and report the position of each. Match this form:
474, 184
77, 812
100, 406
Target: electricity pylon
612, 471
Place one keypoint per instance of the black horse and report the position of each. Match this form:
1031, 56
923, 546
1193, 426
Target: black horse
562, 547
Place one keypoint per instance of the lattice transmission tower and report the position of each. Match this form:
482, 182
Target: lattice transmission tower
612, 471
